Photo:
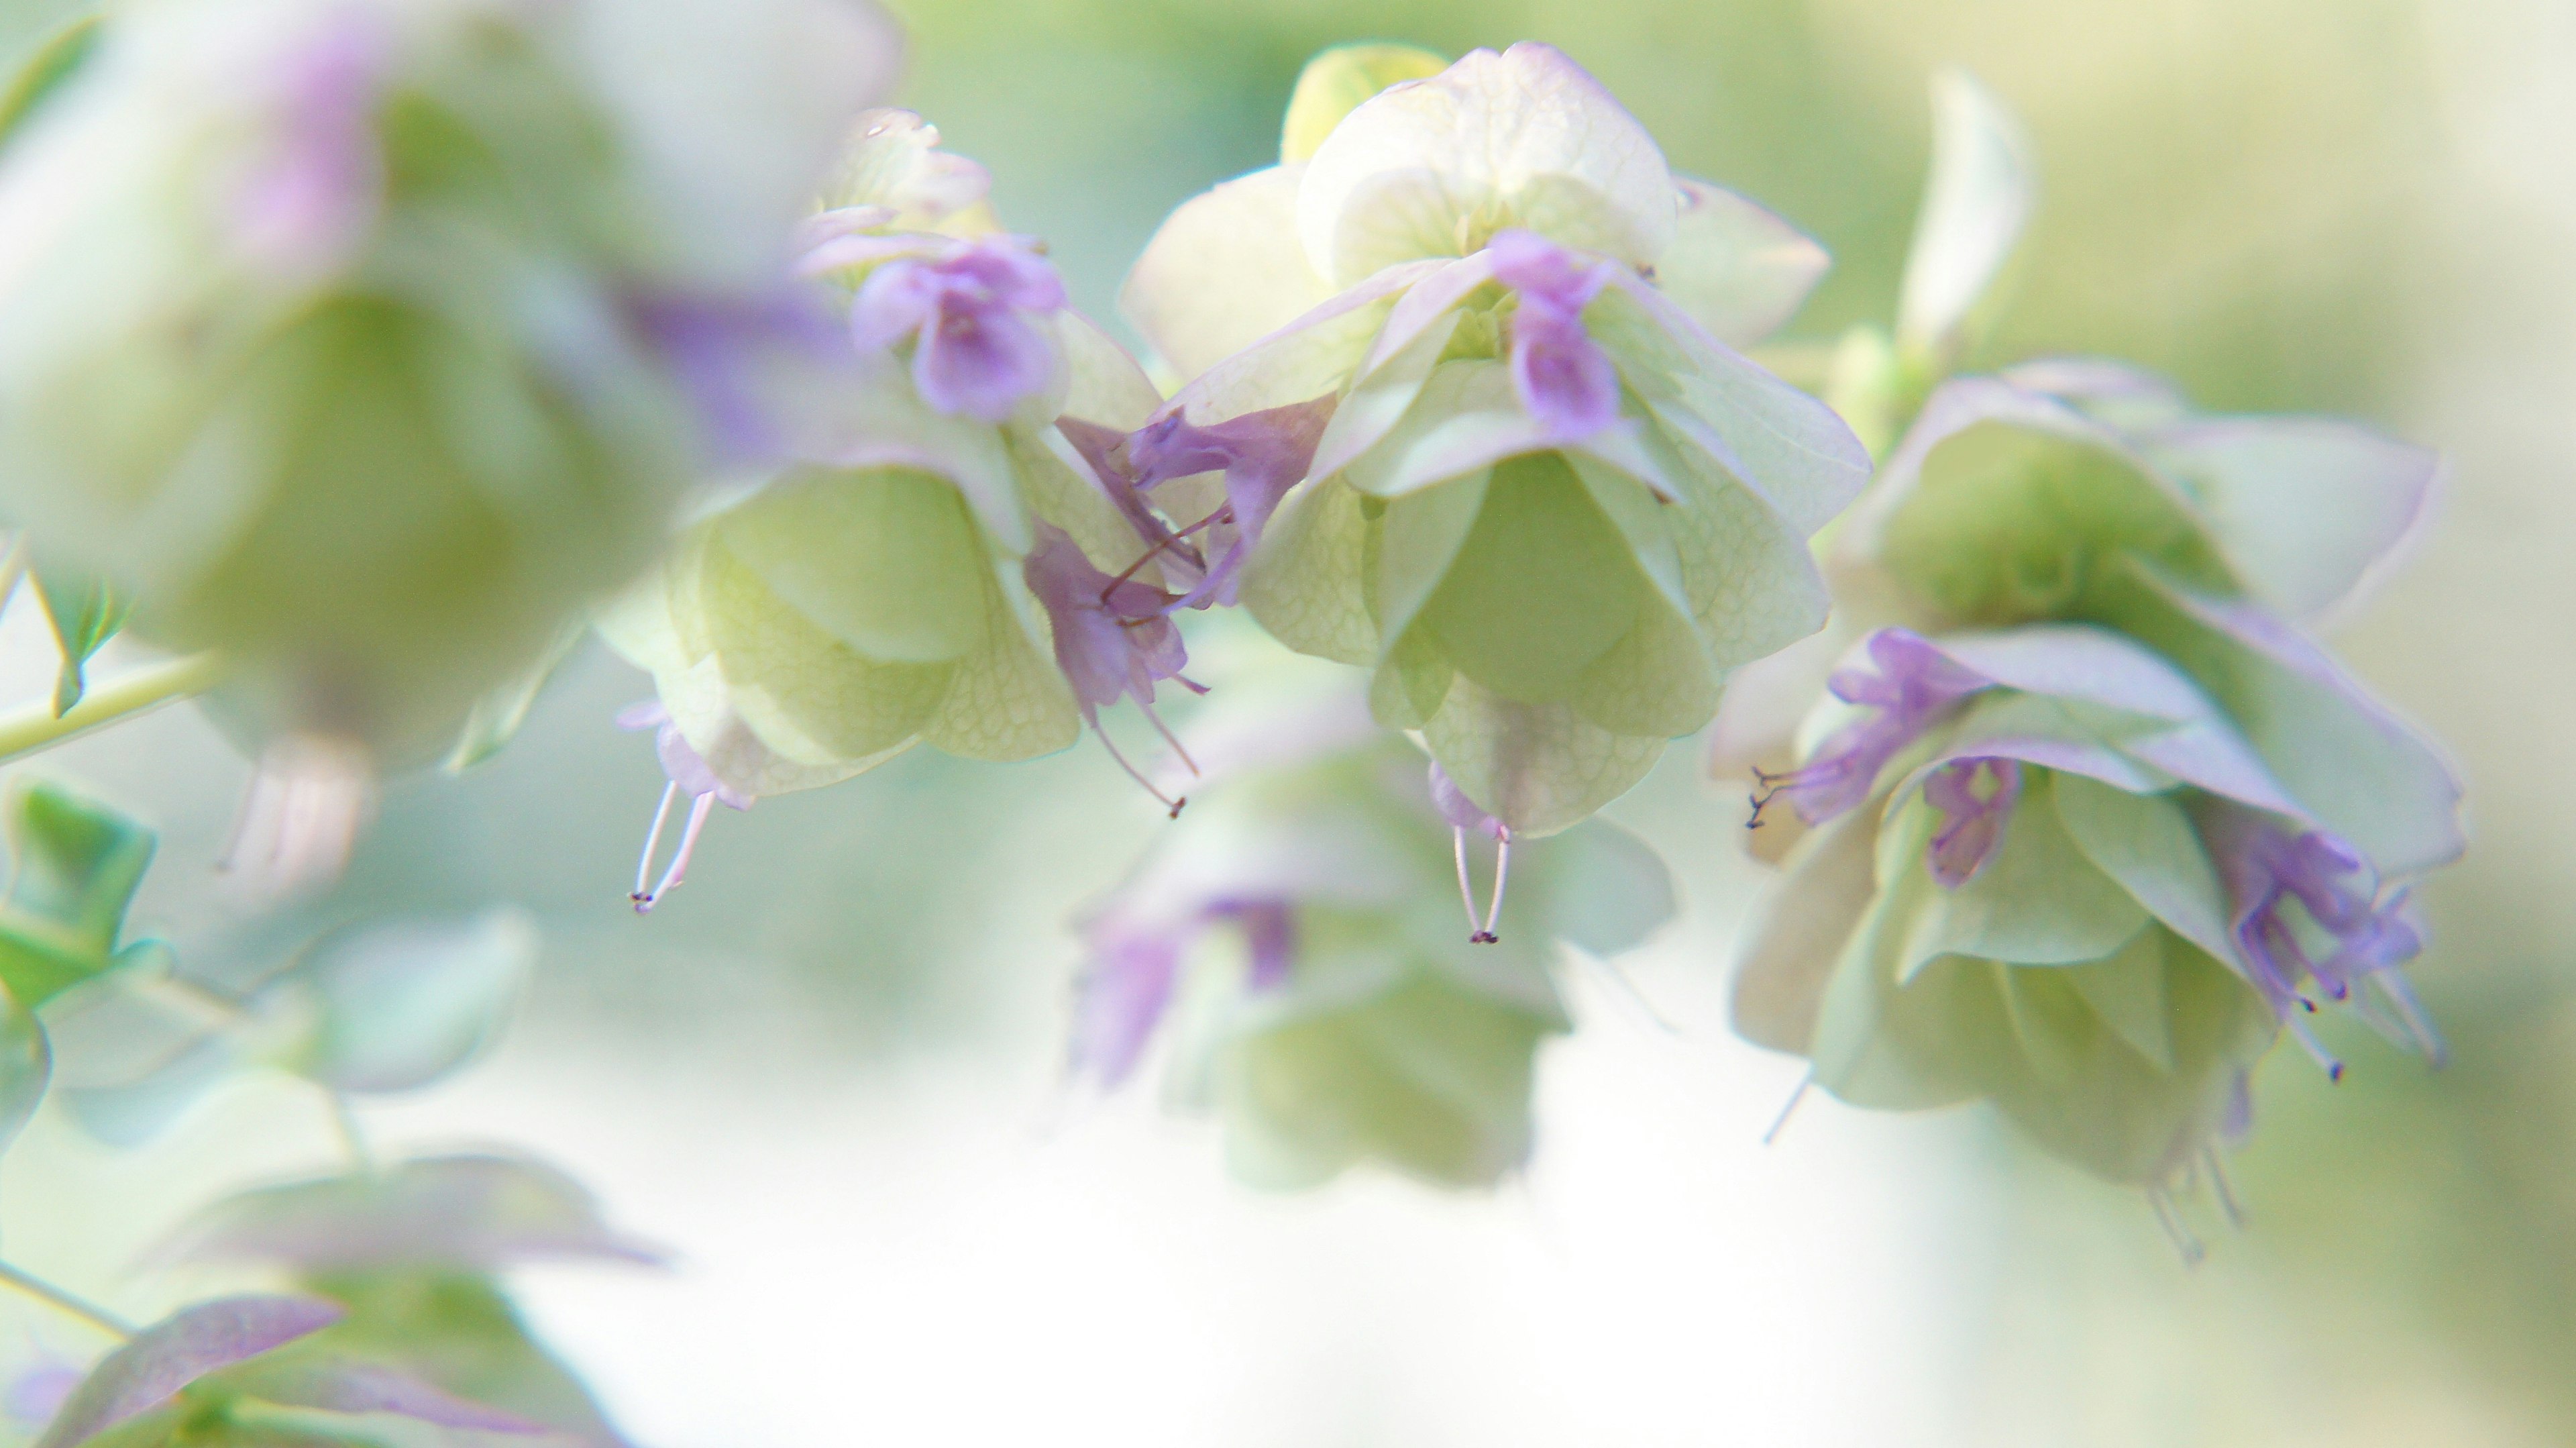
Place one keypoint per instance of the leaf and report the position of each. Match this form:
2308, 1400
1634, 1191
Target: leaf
469, 1213
398, 1006
1538, 768
78, 865
1975, 204
460, 1332
169, 1355
86, 611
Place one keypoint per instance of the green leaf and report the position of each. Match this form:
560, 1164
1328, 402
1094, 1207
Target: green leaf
1542, 588
496, 717
460, 1332
77, 867
45, 72
395, 1007
86, 612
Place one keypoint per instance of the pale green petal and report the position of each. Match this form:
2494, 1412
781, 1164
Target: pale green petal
1433, 168
1751, 581
1313, 355
1224, 271
1007, 700
1657, 680
2039, 901
1306, 583
1974, 207
1539, 768
1643, 520
1542, 589
1062, 491
1380, 400
1409, 683
1465, 417
886, 561
1736, 268
1335, 82
2147, 843
1416, 541
806, 694
1103, 384
1599, 887
2127, 992
879, 421
2003, 506
1790, 946
1437, 294
1878, 1046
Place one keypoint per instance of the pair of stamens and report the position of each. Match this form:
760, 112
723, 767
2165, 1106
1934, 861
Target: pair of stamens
1482, 932
1171, 803
678, 869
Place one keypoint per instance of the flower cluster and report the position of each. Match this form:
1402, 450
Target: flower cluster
2094, 818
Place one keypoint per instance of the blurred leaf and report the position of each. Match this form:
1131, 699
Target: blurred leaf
44, 73
25, 1063
496, 716
177, 1351
461, 1212
398, 1006
332, 1383
78, 864
460, 1332
87, 611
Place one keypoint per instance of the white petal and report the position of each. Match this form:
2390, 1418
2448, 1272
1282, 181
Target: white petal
1224, 271
1974, 207
1735, 267
1433, 168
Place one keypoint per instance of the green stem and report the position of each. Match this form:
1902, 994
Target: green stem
46, 1292
24, 731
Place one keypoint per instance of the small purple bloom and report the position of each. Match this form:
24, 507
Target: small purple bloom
1561, 374
1913, 686
1114, 638
1972, 827
2361, 933
1135, 964
315, 193
1263, 454
689, 774
969, 305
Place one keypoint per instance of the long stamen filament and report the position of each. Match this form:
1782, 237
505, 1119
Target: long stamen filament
2315, 1048
679, 871
652, 841
1466, 886
1167, 801
1788, 1108
2220, 1187
2169, 1218
1165, 543
1168, 737
1502, 875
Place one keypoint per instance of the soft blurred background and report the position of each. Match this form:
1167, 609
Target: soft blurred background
828, 1072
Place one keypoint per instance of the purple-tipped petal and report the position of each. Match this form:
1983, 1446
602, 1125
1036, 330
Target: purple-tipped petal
176, 1351
1911, 685
1262, 454
1972, 827
968, 308
1114, 637
1561, 375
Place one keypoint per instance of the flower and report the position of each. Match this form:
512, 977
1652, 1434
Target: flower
2073, 888
336, 330
1286, 935
1548, 504
934, 535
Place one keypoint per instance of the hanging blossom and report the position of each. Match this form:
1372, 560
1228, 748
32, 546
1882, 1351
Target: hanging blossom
1560, 374
1113, 639
1261, 455
1465, 818
1913, 686
688, 774
1135, 963
2367, 931
970, 309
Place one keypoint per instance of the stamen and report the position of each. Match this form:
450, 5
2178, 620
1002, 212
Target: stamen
1466, 887
1168, 541
1169, 738
1781, 1122
2220, 1188
1502, 874
671, 878
2315, 1048
652, 840
2169, 1217
1766, 788
1167, 801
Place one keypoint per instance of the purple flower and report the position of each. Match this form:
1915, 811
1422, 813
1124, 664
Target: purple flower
1561, 374
1913, 686
1972, 825
2354, 933
1262, 454
690, 775
1134, 965
1465, 818
316, 191
1114, 638
978, 352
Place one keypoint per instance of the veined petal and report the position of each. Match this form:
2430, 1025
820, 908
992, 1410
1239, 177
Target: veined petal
2039, 901
2305, 507
1313, 355
1789, 947
1974, 208
1223, 271
878, 420
1467, 417
1432, 168
1103, 384
1539, 768
1306, 584
1738, 269
2147, 843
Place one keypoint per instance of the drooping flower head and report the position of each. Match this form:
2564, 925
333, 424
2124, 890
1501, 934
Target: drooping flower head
1289, 938
338, 332
1548, 503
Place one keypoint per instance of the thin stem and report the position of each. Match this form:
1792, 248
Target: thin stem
24, 731
46, 1292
